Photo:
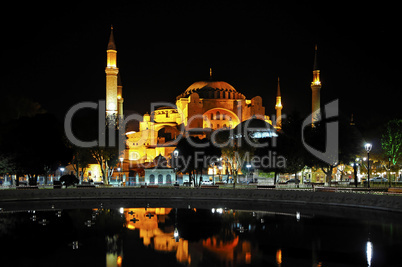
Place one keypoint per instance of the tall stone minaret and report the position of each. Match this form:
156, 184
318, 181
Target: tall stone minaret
316, 87
120, 99
111, 78
278, 107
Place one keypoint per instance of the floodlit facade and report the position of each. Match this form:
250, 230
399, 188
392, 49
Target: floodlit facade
203, 107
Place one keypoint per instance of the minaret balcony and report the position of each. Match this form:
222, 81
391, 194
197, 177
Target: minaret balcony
316, 83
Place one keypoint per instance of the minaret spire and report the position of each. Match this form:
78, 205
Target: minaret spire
316, 87
278, 107
111, 45
278, 91
315, 67
112, 107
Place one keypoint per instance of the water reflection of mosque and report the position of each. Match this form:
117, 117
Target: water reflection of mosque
147, 220
225, 246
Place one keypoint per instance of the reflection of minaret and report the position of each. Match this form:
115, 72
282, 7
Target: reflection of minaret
316, 87
111, 78
278, 108
114, 251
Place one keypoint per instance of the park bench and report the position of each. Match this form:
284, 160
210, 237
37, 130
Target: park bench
325, 189
210, 186
149, 186
395, 190
56, 185
86, 186
265, 186
28, 187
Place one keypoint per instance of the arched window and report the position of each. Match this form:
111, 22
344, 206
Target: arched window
223, 116
151, 179
168, 179
160, 179
218, 115
212, 116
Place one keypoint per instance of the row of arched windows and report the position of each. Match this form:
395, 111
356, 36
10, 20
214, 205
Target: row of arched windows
160, 179
218, 116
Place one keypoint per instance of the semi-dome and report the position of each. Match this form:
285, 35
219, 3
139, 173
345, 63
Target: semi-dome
212, 90
255, 128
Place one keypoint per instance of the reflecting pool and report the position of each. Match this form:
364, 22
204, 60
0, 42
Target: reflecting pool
196, 234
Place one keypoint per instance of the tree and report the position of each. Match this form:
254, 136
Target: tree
13, 107
34, 145
289, 145
195, 155
7, 165
391, 140
107, 156
235, 149
348, 146
82, 157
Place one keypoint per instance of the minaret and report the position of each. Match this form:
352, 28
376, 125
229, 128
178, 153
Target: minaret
111, 79
278, 108
120, 98
315, 87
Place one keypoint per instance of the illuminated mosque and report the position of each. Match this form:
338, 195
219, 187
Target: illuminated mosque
203, 107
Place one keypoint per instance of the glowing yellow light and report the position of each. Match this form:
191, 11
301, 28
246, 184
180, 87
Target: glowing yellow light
279, 256
248, 257
317, 82
111, 58
112, 106
130, 226
278, 102
119, 260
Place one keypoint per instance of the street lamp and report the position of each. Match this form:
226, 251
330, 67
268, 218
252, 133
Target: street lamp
368, 148
248, 170
389, 170
121, 168
61, 171
175, 155
176, 235
355, 166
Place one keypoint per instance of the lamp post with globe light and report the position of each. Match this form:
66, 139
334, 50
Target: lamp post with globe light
61, 171
368, 148
175, 155
248, 166
122, 180
389, 170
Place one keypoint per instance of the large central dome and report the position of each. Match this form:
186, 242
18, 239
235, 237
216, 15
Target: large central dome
212, 90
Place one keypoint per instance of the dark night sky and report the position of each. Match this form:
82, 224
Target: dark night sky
57, 54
